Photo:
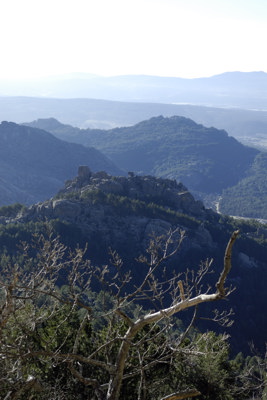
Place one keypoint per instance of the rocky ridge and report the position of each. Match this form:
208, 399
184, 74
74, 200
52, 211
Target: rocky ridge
143, 188
119, 210
115, 211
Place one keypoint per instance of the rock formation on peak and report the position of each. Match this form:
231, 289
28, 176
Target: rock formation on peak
166, 192
113, 211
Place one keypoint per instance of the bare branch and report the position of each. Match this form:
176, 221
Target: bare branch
125, 317
88, 381
64, 357
182, 395
31, 384
181, 287
114, 388
227, 265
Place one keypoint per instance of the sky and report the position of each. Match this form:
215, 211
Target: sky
178, 38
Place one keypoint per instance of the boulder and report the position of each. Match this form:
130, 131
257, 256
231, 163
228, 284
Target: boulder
66, 209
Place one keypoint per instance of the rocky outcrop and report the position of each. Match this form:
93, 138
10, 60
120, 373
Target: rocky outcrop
167, 192
74, 199
62, 208
117, 210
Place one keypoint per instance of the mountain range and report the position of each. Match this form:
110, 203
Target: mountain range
231, 89
207, 160
249, 126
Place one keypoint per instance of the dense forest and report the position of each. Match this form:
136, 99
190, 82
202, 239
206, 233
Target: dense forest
64, 341
248, 197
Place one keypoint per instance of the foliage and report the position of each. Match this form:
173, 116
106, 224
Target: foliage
11, 210
69, 341
248, 276
248, 197
204, 159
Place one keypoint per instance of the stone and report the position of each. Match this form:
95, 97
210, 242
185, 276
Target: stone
84, 172
66, 209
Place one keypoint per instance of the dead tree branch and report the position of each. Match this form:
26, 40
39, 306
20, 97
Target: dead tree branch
186, 394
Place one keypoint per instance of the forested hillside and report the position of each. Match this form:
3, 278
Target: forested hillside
205, 159
248, 197
34, 164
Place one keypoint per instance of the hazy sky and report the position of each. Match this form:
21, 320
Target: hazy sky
183, 38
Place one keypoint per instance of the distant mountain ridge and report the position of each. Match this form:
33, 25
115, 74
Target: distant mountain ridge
246, 125
231, 89
34, 164
206, 160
